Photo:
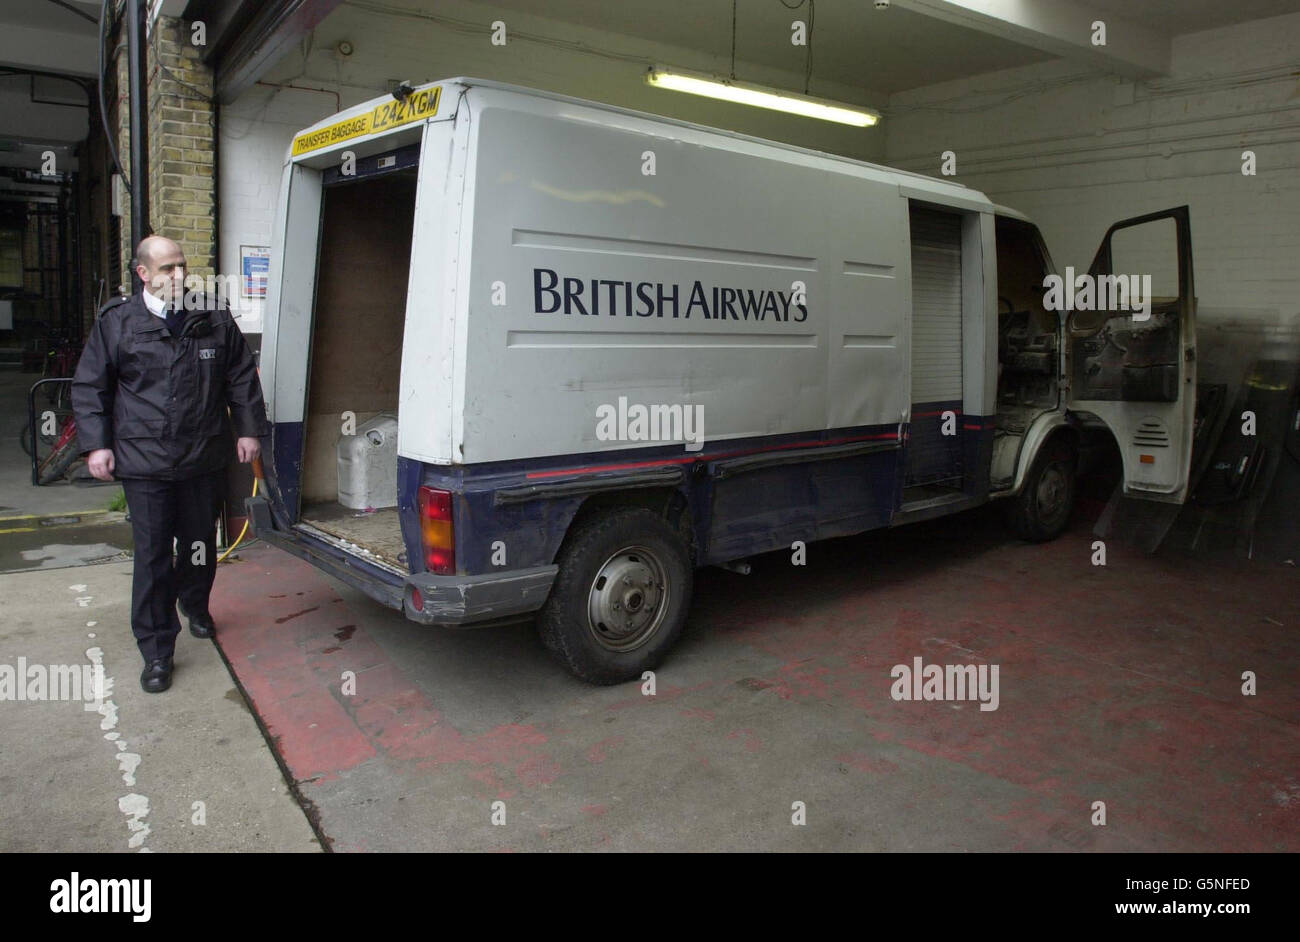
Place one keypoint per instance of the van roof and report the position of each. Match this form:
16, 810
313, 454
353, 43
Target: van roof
958, 189
1010, 213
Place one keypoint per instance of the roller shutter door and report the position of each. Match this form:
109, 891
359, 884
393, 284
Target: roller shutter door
932, 457
936, 306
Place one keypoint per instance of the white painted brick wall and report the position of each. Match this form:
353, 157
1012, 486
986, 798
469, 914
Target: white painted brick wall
256, 130
1078, 151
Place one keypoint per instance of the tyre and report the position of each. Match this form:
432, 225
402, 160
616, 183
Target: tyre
1042, 509
57, 464
25, 439
620, 599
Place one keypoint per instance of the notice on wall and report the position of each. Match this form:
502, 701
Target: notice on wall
254, 263
6, 315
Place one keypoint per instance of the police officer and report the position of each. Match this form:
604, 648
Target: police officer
150, 395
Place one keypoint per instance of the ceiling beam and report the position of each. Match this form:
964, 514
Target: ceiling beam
223, 21
47, 50
278, 25
1061, 27
172, 8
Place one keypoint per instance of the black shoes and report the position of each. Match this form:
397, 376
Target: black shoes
201, 626
157, 675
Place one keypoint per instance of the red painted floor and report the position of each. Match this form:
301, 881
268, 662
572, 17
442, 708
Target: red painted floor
1120, 684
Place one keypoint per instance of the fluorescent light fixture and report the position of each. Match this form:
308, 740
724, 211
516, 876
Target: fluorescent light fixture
744, 94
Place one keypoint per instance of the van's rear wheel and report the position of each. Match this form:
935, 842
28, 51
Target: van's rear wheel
620, 599
1042, 509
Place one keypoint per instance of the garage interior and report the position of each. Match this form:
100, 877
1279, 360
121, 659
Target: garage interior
1162, 681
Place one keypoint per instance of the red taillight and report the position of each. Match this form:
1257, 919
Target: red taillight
417, 600
436, 532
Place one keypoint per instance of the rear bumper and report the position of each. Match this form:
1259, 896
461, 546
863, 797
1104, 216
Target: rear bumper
452, 601
384, 588
469, 600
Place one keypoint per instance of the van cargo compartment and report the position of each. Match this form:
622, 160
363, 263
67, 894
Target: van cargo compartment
378, 532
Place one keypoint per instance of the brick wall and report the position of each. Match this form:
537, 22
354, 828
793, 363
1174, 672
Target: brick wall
182, 188
1078, 151
182, 185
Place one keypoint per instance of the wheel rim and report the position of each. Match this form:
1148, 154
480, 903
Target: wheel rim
628, 599
1052, 488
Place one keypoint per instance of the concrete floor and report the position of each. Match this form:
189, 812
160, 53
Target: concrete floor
58, 541
127, 778
61, 524
1119, 684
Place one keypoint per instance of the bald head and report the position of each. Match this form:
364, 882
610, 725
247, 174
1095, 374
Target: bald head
151, 247
160, 263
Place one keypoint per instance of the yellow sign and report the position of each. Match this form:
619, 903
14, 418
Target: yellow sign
420, 104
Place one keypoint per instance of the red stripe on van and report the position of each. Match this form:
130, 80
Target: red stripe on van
713, 457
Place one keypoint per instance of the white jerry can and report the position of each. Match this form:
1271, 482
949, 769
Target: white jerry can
368, 465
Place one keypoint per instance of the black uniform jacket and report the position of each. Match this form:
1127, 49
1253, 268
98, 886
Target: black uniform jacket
158, 401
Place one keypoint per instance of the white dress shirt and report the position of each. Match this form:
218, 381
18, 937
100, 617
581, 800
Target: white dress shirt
156, 306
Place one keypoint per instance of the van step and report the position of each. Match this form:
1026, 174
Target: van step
926, 508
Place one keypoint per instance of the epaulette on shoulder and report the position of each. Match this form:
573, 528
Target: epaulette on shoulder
112, 303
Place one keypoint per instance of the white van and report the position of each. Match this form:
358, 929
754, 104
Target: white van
605, 377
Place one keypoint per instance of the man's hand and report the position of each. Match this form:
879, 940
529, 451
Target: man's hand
101, 463
248, 449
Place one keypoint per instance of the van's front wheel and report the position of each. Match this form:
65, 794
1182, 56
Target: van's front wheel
620, 598
1043, 507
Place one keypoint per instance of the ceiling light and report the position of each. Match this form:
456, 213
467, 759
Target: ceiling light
759, 97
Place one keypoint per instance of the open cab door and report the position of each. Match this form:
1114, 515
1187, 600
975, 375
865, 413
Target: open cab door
1130, 350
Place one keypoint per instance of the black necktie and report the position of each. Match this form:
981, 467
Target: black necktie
174, 319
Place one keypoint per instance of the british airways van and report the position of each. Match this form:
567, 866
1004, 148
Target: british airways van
616, 348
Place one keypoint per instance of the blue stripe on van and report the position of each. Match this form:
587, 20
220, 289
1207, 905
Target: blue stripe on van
286, 447
742, 515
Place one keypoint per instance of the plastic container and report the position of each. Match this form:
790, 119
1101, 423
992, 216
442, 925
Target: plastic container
368, 465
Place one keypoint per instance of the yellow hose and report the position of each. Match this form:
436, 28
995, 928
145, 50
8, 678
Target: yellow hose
239, 539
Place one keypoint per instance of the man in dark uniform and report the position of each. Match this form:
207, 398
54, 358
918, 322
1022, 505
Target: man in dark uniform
151, 394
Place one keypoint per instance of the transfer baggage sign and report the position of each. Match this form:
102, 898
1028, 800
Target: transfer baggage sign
420, 104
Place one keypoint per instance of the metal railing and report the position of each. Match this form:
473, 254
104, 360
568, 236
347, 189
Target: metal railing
33, 426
